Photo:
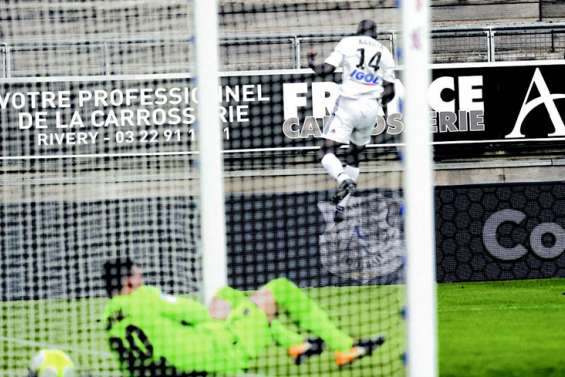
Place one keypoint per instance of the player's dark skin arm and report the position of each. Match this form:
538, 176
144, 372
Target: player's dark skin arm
323, 69
388, 95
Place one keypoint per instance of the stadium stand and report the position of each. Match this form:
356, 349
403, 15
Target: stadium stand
464, 30
64, 19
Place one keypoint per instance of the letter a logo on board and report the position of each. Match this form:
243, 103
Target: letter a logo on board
545, 98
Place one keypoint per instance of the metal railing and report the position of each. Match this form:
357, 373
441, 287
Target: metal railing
276, 51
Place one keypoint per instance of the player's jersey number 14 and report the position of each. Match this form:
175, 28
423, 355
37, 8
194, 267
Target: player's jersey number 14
365, 70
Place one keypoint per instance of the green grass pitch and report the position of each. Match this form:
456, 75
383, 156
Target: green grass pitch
502, 329
513, 328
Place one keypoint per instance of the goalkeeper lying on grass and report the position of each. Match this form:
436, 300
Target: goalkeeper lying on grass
158, 334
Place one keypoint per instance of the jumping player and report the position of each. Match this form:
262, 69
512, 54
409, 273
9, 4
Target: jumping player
367, 84
155, 334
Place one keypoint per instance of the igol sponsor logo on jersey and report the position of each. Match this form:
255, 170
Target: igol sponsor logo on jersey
546, 99
457, 110
364, 77
546, 240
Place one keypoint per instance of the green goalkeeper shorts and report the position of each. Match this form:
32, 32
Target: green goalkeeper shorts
246, 322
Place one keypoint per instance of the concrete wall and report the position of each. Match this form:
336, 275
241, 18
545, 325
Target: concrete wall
452, 12
36, 19
553, 10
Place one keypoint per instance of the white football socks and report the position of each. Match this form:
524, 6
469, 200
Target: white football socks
352, 172
333, 165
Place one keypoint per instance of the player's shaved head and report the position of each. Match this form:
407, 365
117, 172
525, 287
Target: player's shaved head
116, 271
368, 28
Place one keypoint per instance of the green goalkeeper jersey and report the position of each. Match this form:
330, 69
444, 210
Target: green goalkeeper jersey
147, 328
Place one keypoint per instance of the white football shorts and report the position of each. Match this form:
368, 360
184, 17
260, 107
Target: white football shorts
352, 121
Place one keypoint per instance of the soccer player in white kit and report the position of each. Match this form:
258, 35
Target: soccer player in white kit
367, 84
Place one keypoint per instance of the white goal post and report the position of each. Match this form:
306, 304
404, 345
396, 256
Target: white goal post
418, 183
212, 208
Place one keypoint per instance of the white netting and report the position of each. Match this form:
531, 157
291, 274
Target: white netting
97, 112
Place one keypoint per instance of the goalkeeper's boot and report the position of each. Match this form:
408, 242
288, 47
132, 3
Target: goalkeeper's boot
362, 348
346, 187
301, 352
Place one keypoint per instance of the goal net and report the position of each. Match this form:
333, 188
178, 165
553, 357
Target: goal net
101, 159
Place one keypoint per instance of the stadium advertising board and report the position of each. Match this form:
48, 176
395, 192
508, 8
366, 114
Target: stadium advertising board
500, 231
267, 109
483, 232
303, 243
498, 102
